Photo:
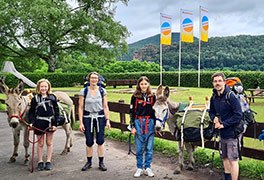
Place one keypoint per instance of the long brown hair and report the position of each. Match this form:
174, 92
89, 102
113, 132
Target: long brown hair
38, 86
137, 93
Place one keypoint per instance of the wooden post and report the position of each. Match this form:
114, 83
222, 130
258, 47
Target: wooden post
122, 115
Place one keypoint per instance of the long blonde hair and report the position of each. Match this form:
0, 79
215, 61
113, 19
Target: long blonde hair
137, 92
38, 85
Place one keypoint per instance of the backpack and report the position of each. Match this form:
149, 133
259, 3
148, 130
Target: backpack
61, 119
193, 124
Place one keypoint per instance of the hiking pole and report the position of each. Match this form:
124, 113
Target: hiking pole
213, 152
129, 141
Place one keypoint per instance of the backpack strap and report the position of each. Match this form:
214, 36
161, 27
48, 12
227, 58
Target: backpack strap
86, 89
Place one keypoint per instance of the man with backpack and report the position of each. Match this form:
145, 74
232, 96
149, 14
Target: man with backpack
226, 116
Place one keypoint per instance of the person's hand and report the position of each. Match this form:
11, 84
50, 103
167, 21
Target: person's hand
108, 125
30, 126
216, 120
219, 126
81, 127
133, 131
53, 128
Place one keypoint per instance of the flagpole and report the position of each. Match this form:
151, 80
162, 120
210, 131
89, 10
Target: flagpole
160, 63
179, 73
199, 51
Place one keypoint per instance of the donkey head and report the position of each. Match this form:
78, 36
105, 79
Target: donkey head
161, 107
13, 102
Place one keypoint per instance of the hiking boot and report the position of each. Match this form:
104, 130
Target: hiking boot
48, 166
88, 165
102, 167
149, 172
40, 166
138, 173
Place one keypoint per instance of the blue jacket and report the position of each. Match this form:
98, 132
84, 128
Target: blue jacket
229, 112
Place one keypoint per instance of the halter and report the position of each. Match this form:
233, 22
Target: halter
164, 118
19, 117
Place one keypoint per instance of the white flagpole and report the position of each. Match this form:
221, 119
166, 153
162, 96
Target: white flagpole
160, 63
199, 53
179, 75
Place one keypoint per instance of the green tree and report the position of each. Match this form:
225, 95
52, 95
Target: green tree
43, 29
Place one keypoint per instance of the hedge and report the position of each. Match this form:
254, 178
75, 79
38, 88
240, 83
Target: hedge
250, 79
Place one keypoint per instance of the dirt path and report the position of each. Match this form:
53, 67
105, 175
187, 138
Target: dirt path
121, 166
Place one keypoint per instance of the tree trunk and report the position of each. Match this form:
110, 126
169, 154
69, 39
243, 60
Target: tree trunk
52, 63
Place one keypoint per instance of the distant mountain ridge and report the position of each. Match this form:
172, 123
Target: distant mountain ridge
242, 52
154, 40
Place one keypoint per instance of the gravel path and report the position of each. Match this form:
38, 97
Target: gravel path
121, 166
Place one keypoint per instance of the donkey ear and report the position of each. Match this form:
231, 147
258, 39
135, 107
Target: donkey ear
20, 87
166, 92
159, 90
3, 87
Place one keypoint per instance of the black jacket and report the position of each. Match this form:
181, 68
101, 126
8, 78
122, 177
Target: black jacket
142, 107
229, 111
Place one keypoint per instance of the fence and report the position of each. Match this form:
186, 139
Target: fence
123, 109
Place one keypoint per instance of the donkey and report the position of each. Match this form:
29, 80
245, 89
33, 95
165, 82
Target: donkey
17, 111
164, 112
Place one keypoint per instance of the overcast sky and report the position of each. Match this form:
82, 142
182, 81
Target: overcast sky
226, 17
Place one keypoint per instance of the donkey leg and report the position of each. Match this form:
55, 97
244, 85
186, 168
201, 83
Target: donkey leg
26, 145
180, 159
16, 139
68, 131
189, 149
72, 115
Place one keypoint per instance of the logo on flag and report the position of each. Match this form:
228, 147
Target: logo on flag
165, 29
187, 26
204, 24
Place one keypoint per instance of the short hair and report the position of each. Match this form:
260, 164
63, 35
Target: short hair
218, 74
38, 85
91, 73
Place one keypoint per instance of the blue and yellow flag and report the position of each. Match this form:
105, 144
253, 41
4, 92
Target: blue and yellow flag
204, 24
187, 26
165, 29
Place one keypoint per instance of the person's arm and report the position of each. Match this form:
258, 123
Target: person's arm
80, 112
236, 111
132, 114
32, 111
213, 114
106, 111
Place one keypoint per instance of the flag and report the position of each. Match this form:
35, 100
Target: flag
165, 29
204, 24
186, 26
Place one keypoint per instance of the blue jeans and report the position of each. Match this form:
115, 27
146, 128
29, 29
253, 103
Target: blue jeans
144, 141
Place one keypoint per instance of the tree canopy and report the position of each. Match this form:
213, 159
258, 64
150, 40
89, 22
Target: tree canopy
47, 29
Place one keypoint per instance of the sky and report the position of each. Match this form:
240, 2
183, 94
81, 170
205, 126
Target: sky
226, 17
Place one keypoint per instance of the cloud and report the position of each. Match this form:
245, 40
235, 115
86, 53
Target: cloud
226, 18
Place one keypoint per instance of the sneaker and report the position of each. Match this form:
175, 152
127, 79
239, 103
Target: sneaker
102, 167
48, 166
138, 173
88, 165
149, 172
40, 166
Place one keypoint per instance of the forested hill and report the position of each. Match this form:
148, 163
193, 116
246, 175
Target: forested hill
243, 52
